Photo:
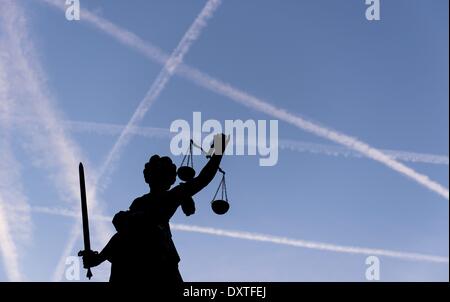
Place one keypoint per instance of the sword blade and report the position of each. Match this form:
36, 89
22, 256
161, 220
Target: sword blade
84, 214
84, 210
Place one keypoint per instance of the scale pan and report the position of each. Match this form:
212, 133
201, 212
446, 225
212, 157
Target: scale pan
186, 173
220, 206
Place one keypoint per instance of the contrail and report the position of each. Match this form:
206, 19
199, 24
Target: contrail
13, 226
405, 156
159, 84
310, 244
269, 238
48, 143
10, 169
153, 93
202, 79
288, 144
8, 247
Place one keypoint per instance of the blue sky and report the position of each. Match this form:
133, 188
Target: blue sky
384, 82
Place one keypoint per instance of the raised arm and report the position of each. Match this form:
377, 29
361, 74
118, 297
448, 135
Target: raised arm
208, 172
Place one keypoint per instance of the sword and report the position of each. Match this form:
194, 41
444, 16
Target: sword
85, 219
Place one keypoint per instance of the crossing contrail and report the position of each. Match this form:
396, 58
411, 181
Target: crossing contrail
269, 238
288, 144
175, 59
46, 139
202, 79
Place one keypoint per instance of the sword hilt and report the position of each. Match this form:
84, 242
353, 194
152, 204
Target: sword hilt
89, 274
82, 254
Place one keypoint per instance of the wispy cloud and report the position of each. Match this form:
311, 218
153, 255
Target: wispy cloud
202, 79
46, 139
272, 239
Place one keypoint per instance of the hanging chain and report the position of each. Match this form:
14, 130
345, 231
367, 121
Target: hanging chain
191, 154
218, 188
224, 187
222, 184
188, 156
184, 158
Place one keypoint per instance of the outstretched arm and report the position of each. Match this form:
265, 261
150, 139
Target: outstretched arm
208, 172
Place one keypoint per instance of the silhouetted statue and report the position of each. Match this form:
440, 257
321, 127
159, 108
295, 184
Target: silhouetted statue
142, 250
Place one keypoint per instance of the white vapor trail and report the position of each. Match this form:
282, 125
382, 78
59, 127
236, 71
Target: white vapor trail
47, 141
310, 244
405, 156
10, 192
159, 84
270, 239
153, 93
133, 41
294, 145
13, 226
8, 247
